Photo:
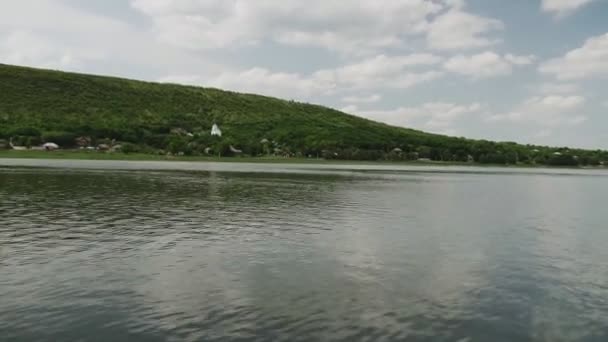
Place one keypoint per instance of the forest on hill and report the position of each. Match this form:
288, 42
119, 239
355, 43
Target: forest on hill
85, 111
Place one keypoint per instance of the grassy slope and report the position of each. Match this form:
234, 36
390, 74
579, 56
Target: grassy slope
58, 101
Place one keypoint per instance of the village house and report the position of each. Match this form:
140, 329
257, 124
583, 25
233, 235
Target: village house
216, 131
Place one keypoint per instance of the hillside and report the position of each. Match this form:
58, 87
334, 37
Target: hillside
39, 106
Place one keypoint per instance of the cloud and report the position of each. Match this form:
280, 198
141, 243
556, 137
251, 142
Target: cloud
557, 88
380, 72
485, 65
362, 99
349, 26
57, 35
27, 48
588, 61
53, 16
457, 29
257, 80
546, 111
543, 133
334, 25
520, 60
54, 35
438, 117
561, 8
350, 109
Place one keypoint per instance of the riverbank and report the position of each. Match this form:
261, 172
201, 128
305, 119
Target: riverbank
95, 155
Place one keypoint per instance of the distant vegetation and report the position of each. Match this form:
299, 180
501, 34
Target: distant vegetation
84, 111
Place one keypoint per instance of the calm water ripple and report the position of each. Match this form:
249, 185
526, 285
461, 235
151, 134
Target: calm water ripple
242, 252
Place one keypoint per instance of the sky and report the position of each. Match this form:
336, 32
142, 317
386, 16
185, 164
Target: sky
531, 71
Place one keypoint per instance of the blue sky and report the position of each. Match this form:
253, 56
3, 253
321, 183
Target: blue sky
532, 71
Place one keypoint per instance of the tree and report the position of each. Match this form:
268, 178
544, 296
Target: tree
177, 144
129, 148
64, 139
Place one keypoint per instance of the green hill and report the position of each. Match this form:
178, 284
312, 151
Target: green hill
42, 105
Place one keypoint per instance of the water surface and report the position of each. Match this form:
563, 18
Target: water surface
156, 251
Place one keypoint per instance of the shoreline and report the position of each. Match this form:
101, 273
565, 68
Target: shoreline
117, 156
94, 155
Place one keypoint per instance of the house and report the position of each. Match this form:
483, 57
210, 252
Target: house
216, 131
49, 146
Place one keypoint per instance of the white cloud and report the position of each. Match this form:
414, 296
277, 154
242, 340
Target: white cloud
458, 4
350, 109
485, 65
377, 68
362, 99
543, 133
52, 36
457, 29
559, 102
57, 35
588, 61
26, 48
380, 72
546, 111
52, 16
438, 117
562, 8
520, 60
348, 26
257, 80
335, 25
557, 88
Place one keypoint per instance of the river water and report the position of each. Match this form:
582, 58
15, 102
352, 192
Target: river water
157, 251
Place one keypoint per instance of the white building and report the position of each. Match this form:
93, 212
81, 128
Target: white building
215, 130
49, 146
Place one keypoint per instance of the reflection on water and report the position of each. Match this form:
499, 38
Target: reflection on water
353, 255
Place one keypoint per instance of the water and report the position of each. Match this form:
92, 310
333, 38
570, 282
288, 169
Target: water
91, 251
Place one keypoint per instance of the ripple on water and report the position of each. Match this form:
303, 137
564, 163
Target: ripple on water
347, 256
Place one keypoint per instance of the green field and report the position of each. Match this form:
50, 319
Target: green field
94, 155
